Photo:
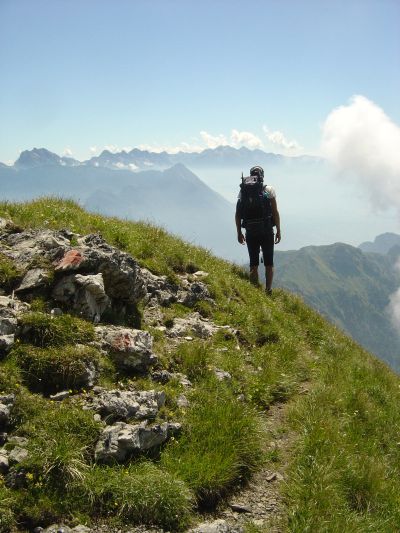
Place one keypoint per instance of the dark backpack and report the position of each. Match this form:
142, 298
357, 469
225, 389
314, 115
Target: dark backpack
256, 209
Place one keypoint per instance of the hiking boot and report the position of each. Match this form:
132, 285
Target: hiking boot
268, 292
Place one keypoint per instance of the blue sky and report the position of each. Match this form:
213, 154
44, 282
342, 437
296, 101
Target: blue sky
93, 73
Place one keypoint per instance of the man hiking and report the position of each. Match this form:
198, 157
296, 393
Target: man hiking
257, 212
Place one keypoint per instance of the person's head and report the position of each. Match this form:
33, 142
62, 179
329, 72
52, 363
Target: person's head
258, 172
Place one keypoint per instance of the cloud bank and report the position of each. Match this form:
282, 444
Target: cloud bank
364, 145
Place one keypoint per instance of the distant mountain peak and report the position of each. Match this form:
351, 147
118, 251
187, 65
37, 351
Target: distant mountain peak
382, 244
38, 157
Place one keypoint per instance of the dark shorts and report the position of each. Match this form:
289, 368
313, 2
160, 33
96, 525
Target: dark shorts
265, 241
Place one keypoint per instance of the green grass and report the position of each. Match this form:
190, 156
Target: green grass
10, 275
41, 329
55, 368
342, 471
220, 445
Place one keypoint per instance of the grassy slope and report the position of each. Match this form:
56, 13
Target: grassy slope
344, 469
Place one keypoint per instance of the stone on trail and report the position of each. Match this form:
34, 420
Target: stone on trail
218, 526
6, 404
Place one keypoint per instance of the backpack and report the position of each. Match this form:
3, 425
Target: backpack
256, 209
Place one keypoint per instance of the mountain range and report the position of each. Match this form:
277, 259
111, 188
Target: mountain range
174, 198
143, 159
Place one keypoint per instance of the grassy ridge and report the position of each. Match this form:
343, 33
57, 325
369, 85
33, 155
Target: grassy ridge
344, 466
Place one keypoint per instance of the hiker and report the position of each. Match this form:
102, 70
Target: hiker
257, 212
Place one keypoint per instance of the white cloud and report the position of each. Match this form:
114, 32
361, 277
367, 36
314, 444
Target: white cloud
364, 145
114, 148
245, 138
67, 152
122, 166
213, 141
93, 150
278, 139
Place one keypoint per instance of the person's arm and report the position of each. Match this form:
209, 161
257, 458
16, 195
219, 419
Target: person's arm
277, 220
238, 221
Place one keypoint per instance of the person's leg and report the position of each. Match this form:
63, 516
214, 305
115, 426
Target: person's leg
267, 246
254, 275
269, 276
253, 247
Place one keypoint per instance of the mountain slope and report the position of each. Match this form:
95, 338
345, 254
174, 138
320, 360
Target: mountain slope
336, 438
350, 287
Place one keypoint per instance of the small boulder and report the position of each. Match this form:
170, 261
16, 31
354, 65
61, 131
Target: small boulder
124, 405
131, 349
120, 441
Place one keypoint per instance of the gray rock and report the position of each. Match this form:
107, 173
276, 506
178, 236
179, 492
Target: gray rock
121, 273
34, 279
28, 245
194, 322
4, 463
61, 528
6, 403
197, 291
19, 441
182, 402
161, 376
218, 526
131, 349
84, 294
120, 441
17, 455
124, 405
222, 375
62, 395
6, 343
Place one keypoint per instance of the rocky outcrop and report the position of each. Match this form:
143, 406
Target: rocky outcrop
88, 278
131, 349
124, 405
120, 441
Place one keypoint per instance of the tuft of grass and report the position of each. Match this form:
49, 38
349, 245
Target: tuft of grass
10, 376
193, 359
140, 493
220, 444
41, 329
7, 517
61, 442
55, 368
10, 275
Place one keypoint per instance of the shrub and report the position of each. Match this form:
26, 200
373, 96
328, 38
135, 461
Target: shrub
42, 329
54, 368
